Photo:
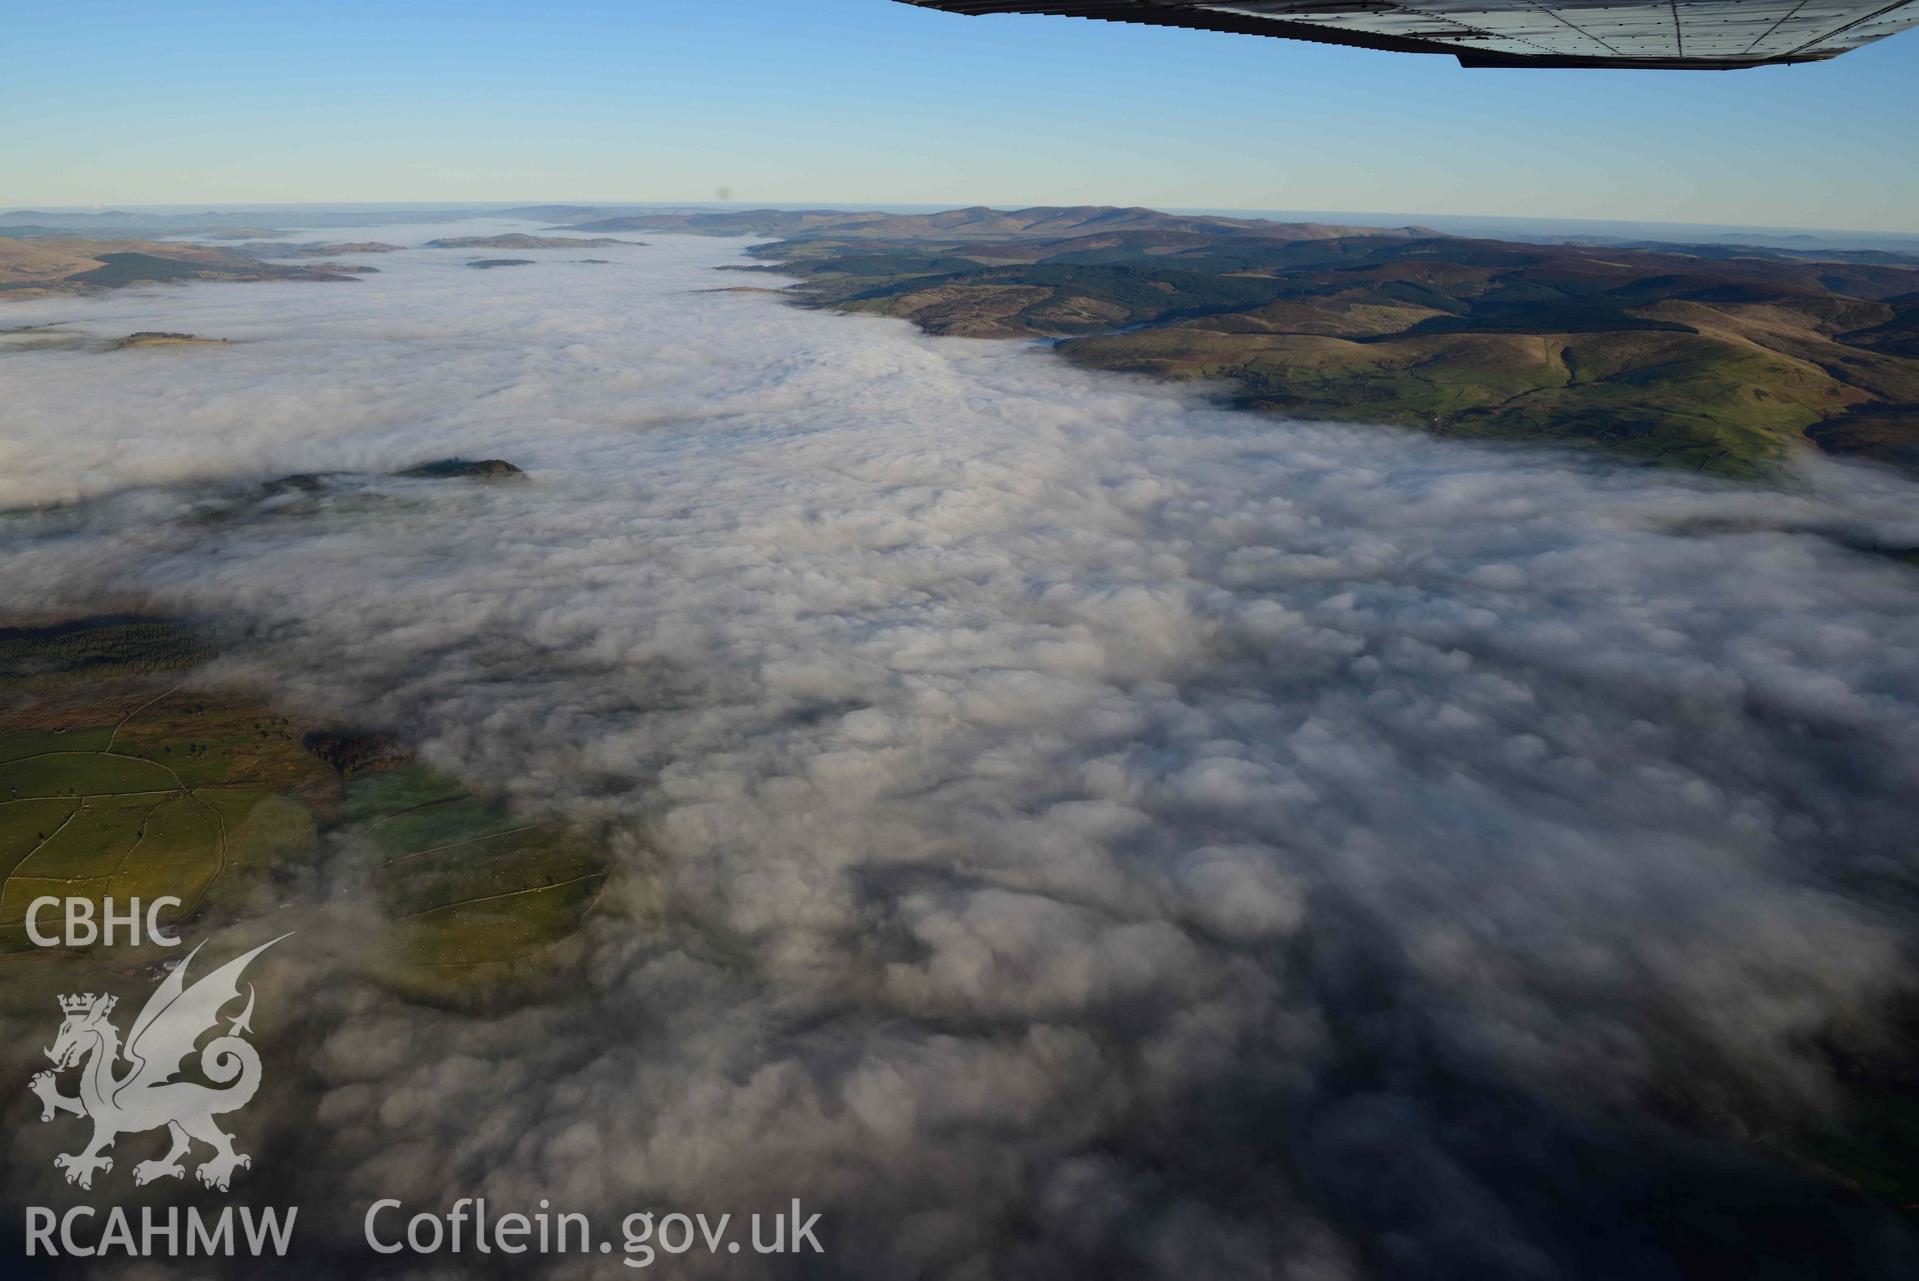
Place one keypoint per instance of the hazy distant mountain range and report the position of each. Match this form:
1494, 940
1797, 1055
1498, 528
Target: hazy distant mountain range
264, 223
975, 223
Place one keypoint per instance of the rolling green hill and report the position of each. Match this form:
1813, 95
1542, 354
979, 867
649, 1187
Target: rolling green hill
121, 779
1694, 356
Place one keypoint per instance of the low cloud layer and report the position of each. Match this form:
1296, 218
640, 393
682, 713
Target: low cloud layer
1097, 833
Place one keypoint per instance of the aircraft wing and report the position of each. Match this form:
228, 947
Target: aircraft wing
1683, 34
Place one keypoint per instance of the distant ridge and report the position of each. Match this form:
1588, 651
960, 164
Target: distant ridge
977, 223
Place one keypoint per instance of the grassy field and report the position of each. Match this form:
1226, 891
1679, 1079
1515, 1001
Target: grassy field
1673, 397
118, 778
467, 883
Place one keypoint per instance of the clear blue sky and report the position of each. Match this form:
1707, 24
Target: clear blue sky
217, 101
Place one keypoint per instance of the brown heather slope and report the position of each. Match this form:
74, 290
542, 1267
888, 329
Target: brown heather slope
35, 268
1710, 360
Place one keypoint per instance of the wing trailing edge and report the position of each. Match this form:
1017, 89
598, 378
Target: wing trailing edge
1685, 35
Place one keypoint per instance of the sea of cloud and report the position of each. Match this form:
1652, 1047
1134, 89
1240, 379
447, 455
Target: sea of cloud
1087, 831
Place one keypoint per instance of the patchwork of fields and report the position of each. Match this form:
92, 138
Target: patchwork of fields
121, 779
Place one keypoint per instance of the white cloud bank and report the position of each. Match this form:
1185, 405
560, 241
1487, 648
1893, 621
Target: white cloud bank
1105, 835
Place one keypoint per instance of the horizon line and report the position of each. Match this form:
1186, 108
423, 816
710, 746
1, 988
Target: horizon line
132, 206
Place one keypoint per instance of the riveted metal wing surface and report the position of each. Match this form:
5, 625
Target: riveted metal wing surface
1679, 34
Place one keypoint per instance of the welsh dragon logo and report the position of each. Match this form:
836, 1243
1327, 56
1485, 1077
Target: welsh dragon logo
146, 1096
